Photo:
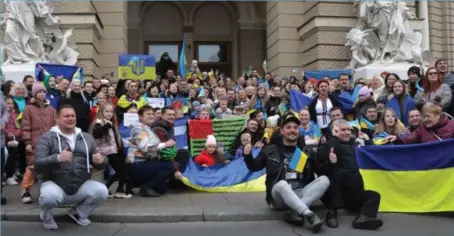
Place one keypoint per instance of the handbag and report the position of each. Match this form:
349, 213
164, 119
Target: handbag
13, 143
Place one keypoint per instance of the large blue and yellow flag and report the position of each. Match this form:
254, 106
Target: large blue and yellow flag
137, 67
414, 178
299, 101
232, 177
68, 72
182, 60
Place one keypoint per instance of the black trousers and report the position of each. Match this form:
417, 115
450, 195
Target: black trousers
2, 162
346, 191
10, 167
21, 157
122, 173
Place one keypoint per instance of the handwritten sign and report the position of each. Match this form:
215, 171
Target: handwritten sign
156, 102
130, 119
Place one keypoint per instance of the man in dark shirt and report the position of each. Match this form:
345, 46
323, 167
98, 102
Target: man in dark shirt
286, 187
338, 162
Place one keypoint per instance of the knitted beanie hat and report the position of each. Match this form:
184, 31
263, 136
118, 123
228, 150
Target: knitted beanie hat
37, 87
365, 91
211, 140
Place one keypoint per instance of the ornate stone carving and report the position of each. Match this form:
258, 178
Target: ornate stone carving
383, 34
32, 35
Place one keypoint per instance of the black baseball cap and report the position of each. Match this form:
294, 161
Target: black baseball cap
290, 117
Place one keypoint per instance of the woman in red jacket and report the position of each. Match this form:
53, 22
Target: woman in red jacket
209, 155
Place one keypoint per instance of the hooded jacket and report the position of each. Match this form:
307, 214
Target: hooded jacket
68, 175
443, 130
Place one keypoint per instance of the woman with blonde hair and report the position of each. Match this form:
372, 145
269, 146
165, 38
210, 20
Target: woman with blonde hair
76, 99
20, 94
260, 98
378, 86
388, 125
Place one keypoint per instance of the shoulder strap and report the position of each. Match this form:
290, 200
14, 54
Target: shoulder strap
436, 136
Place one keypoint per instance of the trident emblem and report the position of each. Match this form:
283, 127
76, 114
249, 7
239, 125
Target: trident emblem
137, 66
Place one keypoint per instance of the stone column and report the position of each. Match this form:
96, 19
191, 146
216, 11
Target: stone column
441, 25
87, 31
283, 44
114, 39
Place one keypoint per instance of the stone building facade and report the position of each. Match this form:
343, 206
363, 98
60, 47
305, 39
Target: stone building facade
300, 34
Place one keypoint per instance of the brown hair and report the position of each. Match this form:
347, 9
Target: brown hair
398, 128
428, 87
100, 115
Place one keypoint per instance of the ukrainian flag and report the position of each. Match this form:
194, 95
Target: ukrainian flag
413, 178
299, 101
298, 161
137, 67
365, 124
232, 177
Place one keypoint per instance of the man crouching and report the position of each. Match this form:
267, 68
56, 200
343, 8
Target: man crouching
63, 158
287, 187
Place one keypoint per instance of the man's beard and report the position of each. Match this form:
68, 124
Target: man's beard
291, 138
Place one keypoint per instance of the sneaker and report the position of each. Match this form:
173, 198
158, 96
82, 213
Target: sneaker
50, 223
76, 218
26, 197
314, 221
11, 181
366, 222
122, 195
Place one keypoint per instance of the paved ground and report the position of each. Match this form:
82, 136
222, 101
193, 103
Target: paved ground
396, 225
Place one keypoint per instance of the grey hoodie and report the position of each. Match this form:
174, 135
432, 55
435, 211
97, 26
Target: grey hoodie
68, 175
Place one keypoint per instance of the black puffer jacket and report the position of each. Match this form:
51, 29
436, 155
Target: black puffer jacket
272, 158
68, 175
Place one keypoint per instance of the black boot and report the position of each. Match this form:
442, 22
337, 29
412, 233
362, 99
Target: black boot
331, 219
147, 192
366, 222
291, 217
314, 221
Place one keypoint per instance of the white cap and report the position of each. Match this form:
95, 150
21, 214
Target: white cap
211, 140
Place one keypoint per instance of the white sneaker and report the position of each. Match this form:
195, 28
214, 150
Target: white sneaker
11, 181
26, 197
122, 195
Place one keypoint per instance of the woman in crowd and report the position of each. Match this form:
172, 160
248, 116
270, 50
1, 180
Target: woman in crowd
389, 124
148, 170
390, 79
378, 85
321, 105
310, 131
37, 118
111, 97
13, 133
77, 99
401, 102
435, 90
101, 98
435, 126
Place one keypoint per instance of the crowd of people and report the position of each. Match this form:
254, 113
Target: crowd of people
59, 131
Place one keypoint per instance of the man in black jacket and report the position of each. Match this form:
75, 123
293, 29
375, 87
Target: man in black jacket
338, 162
285, 187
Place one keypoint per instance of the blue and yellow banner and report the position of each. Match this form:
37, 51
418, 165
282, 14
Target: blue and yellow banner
415, 178
299, 101
231, 177
68, 72
137, 67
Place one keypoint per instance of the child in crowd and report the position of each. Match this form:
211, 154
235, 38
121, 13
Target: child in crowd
246, 139
271, 127
210, 156
195, 110
13, 135
223, 108
108, 143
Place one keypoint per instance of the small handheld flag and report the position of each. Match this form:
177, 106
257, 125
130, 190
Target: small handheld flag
298, 161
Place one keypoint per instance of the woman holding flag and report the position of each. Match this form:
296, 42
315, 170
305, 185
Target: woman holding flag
388, 125
310, 131
321, 105
401, 102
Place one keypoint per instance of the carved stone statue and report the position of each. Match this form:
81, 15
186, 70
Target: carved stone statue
364, 45
28, 27
389, 22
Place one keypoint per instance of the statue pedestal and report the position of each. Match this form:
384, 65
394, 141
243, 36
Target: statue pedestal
17, 73
369, 71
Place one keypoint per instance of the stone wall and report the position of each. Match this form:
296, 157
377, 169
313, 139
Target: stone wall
99, 30
441, 25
